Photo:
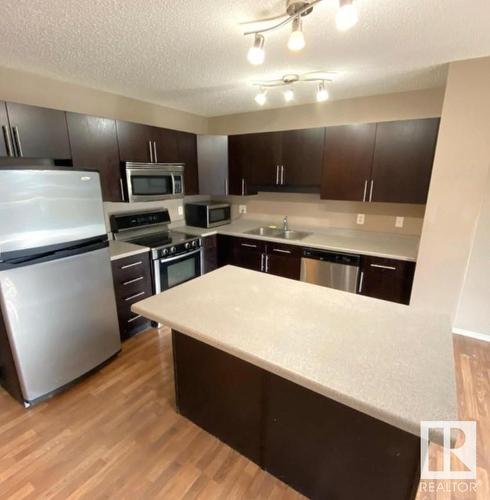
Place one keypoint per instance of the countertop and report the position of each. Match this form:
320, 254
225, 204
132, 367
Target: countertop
388, 245
122, 249
384, 359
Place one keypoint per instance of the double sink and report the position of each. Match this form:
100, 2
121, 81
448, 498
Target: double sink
287, 234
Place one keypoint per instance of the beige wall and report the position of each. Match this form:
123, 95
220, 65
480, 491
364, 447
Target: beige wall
401, 106
473, 314
457, 187
37, 90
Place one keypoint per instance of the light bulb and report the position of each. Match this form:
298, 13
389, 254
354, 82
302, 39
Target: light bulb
261, 97
296, 38
256, 53
288, 95
322, 93
347, 15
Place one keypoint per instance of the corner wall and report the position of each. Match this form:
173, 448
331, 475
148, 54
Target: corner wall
457, 188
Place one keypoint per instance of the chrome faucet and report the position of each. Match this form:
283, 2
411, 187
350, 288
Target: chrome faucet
285, 225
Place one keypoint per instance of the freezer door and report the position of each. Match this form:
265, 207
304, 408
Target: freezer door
40, 208
61, 319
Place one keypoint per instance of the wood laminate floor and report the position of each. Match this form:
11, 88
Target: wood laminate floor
117, 435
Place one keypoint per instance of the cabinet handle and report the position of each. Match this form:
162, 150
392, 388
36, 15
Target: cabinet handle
277, 175
361, 282
267, 263
281, 251
380, 266
249, 245
121, 186
365, 190
371, 191
135, 296
282, 175
17, 141
151, 152
243, 186
134, 319
139, 263
133, 281
8, 141
261, 262
155, 156
227, 188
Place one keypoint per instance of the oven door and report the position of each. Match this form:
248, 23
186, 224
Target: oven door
150, 184
173, 271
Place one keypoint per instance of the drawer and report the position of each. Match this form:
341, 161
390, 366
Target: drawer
284, 250
130, 268
132, 286
132, 325
249, 245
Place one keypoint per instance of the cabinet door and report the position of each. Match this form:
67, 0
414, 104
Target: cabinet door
284, 260
6, 147
187, 153
225, 250
210, 253
403, 158
262, 155
387, 279
94, 146
347, 162
39, 132
135, 141
249, 254
240, 161
166, 145
301, 156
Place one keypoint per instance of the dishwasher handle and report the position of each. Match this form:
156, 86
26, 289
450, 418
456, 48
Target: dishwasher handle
346, 259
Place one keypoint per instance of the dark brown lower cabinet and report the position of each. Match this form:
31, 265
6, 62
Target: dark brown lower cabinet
284, 260
210, 253
387, 279
320, 447
132, 283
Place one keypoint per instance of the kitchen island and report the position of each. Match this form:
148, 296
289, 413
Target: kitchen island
322, 388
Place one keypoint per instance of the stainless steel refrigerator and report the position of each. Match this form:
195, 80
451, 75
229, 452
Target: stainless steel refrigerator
58, 312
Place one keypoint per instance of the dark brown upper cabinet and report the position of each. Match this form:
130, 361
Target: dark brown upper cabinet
38, 132
187, 153
166, 145
135, 142
6, 146
239, 165
263, 156
94, 146
403, 158
347, 162
301, 158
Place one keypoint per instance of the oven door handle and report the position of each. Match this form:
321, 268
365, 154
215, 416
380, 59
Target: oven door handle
182, 256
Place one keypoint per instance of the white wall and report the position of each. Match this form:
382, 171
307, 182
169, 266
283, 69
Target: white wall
457, 188
473, 314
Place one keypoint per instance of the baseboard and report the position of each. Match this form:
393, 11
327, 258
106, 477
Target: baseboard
473, 335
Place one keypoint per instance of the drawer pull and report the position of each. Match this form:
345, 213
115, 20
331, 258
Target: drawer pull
281, 251
139, 263
134, 319
248, 245
133, 281
380, 266
135, 296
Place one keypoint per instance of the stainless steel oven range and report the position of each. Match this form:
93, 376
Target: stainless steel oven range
176, 257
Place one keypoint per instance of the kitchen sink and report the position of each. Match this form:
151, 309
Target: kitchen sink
278, 233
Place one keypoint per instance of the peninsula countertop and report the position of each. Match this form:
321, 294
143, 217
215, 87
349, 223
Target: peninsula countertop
377, 244
383, 359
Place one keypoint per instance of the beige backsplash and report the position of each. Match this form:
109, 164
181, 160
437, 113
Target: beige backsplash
309, 210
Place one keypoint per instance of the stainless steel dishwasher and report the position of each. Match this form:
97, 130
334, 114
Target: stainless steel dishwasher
330, 269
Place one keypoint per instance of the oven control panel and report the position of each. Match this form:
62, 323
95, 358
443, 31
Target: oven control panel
177, 249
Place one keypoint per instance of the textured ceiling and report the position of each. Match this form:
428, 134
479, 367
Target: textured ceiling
191, 55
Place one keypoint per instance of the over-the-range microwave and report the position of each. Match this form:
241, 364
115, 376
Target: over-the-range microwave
152, 181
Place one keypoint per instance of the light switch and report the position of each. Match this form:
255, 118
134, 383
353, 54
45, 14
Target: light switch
399, 221
242, 209
360, 218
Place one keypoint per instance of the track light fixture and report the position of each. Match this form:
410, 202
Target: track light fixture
296, 10
256, 53
291, 79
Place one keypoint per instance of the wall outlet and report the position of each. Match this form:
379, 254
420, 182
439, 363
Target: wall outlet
399, 221
242, 209
361, 218
180, 210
